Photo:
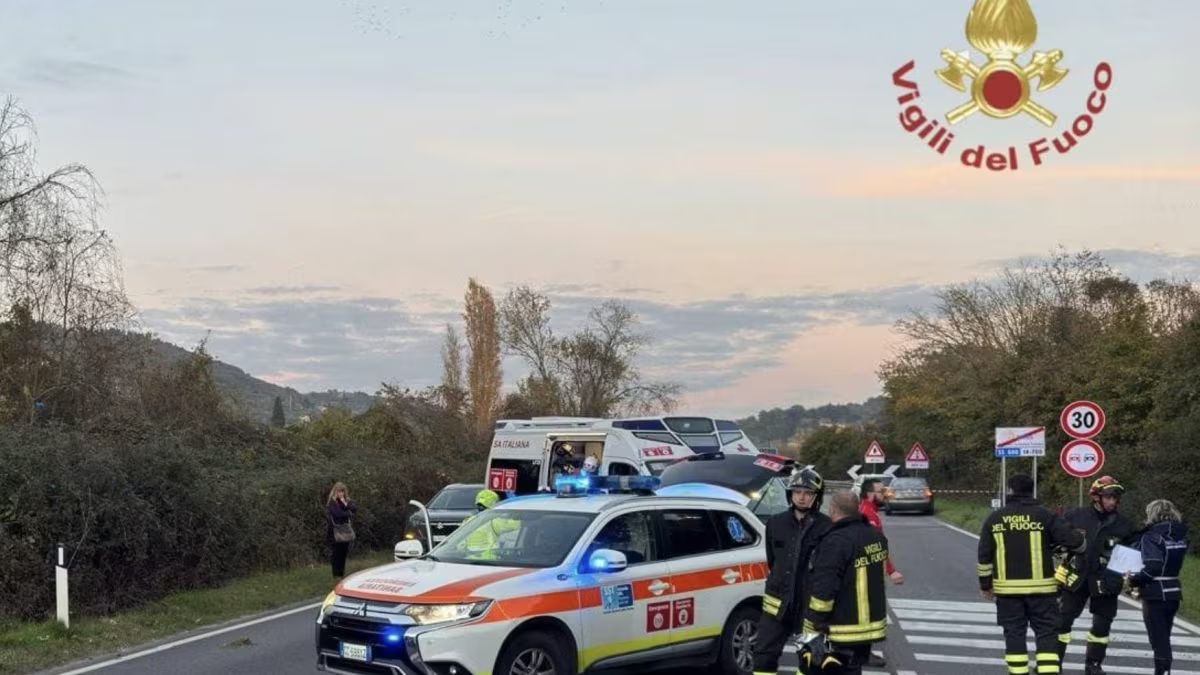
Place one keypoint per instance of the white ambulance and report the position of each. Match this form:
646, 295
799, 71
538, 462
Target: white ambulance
528, 455
564, 583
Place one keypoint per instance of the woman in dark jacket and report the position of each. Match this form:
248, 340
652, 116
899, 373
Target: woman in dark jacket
339, 510
1164, 546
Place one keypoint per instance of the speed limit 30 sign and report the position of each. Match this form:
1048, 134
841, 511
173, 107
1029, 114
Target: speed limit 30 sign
1082, 419
1081, 458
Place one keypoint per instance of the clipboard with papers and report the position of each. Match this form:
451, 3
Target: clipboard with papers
1125, 559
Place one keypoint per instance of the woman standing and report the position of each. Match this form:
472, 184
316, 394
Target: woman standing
1163, 545
339, 510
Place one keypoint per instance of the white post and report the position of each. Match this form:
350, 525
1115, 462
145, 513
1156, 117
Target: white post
1003, 481
1035, 459
60, 587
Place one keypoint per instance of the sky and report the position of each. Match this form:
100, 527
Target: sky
311, 183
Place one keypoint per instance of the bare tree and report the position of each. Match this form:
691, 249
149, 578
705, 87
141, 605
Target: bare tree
483, 366
453, 394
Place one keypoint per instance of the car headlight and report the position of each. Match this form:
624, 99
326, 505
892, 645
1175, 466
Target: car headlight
427, 614
329, 600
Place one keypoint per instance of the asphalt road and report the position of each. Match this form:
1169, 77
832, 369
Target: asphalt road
939, 625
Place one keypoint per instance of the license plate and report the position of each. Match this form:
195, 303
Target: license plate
356, 652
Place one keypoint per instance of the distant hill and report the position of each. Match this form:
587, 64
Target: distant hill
786, 428
256, 398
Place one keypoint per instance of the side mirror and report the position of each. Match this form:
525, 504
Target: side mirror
607, 560
409, 548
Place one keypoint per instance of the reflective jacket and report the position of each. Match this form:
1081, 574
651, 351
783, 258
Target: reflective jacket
847, 600
1016, 548
1164, 547
1104, 531
481, 543
790, 545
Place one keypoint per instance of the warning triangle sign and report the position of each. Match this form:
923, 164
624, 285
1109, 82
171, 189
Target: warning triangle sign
917, 453
874, 453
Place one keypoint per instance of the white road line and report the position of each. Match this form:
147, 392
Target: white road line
999, 663
1074, 648
939, 627
1119, 625
1123, 598
194, 638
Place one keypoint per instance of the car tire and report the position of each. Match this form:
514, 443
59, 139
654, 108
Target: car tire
736, 654
535, 648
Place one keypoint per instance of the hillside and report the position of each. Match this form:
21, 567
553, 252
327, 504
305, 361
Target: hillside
786, 428
256, 398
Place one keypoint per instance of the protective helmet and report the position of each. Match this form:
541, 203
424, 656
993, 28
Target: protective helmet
486, 498
590, 463
1106, 485
808, 479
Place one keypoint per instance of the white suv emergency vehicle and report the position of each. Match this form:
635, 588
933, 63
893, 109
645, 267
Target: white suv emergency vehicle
560, 584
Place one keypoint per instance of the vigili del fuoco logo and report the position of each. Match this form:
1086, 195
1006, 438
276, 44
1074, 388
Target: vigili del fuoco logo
1001, 87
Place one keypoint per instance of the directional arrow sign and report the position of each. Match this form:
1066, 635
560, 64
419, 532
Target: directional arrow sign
874, 454
916, 458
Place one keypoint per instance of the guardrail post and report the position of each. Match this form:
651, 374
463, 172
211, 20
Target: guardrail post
60, 588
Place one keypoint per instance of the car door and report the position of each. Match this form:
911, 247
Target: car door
700, 573
623, 614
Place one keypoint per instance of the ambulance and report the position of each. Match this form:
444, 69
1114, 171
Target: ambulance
602, 574
527, 456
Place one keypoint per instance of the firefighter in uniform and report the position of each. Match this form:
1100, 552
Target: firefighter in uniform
791, 537
1016, 569
847, 608
1084, 577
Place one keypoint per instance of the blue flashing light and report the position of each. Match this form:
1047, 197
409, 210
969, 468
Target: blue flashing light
392, 637
574, 486
598, 564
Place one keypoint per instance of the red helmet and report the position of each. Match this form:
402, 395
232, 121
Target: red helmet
1106, 485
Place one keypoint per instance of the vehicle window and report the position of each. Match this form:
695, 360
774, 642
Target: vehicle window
690, 532
656, 468
455, 499
727, 425
631, 534
664, 437
734, 530
705, 443
690, 425
730, 437
774, 499
622, 469
514, 538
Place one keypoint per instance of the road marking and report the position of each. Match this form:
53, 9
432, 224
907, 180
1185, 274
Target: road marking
1073, 648
194, 638
1123, 598
937, 627
990, 619
999, 663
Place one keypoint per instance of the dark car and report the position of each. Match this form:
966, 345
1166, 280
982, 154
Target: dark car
908, 493
447, 510
760, 477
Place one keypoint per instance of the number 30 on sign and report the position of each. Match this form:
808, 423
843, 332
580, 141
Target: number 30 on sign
1082, 419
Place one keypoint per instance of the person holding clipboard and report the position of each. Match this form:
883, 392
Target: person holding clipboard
1163, 545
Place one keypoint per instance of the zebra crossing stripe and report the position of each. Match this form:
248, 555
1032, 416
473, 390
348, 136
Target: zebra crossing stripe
1070, 666
1075, 647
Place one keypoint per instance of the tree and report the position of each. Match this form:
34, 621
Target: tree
277, 417
452, 393
483, 366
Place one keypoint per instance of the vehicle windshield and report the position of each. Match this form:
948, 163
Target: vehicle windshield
514, 538
455, 499
736, 472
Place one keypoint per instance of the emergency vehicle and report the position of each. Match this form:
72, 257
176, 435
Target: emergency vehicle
528, 455
602, 574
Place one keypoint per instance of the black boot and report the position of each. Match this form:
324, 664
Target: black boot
1162, 666
1093, 668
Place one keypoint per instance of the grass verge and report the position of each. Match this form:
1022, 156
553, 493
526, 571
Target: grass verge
969, 515
27, 647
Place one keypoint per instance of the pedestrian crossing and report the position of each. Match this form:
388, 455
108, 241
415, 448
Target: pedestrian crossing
960, 637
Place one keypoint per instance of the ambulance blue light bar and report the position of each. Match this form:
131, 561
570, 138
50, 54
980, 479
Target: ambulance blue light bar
577, 486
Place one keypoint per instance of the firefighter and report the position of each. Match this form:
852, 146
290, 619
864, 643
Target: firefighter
1084, 577
1016, 569
791, 538
847, 607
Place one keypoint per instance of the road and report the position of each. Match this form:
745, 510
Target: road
939, 625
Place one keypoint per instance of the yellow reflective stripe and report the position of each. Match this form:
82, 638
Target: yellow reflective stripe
984, 570
1060, 574
1020, 586
809, 627
1035, 555
818, 605
859, 633
1064, 638
1098, 640
1047, 656
773, 610
1047, 662
770, 599
864, 600
1000, 561
1018, 670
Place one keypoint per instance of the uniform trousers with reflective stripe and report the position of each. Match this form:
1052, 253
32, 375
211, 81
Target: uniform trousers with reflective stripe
768, 643
1016, 613
1104, 610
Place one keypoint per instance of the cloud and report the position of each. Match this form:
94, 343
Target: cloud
291, 290
71, 73
216, 269
1141, 266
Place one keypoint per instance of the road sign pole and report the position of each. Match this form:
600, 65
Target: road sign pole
1035, 459
1081, 493
1003, 481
